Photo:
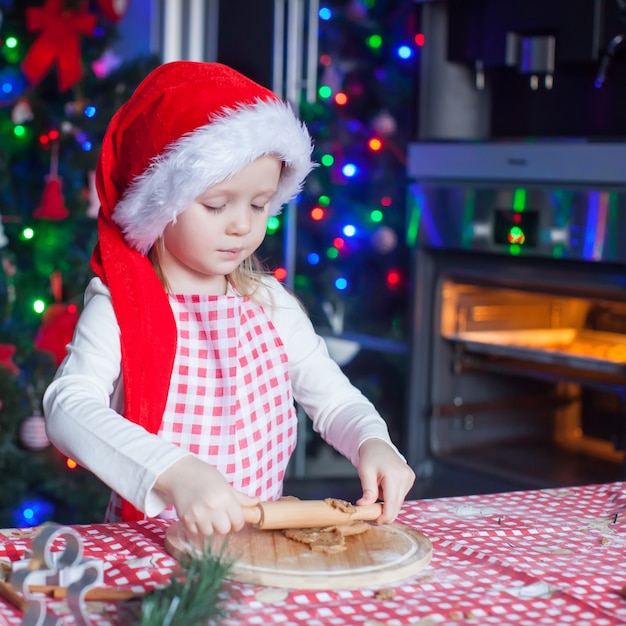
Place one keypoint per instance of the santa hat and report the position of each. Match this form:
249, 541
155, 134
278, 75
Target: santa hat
187, 126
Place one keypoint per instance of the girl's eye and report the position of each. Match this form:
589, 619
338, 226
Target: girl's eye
256, 207
214, 209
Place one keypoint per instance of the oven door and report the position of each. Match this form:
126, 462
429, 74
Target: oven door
519, 355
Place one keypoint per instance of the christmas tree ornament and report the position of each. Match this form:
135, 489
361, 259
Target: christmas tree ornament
384, 124
33, 433
7, 351
4, 240
92, 195
22, 111
57, 328
75, 107
52, 205
384, 240
108, 62
56, 285
356, 11
9, 268
113, 10
58, 42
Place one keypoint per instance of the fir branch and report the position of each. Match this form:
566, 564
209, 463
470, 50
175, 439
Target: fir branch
191, 598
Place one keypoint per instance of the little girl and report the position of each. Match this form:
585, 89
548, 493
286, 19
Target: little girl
178, 387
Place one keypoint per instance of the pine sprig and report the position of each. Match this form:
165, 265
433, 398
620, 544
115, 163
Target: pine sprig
191, 597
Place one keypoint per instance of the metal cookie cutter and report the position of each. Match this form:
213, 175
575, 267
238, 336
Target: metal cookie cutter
64, 568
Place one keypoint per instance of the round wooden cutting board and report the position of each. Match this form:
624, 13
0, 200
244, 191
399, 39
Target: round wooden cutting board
383, 554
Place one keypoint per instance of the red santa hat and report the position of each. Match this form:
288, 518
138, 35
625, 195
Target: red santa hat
187, 126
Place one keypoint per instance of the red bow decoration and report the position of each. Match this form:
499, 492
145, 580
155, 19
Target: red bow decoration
58, 42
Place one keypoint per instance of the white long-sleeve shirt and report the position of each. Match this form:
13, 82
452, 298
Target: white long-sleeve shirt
84, 402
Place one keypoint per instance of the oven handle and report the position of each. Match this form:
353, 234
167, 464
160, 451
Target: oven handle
542, 401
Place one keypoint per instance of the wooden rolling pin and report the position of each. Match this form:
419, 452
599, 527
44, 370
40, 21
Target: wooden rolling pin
287, 513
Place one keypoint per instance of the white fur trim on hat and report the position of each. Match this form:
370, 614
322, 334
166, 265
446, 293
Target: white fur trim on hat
209, 155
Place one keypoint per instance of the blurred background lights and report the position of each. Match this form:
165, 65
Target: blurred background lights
349, 170
272, 224
280, 273
325, 13
323, 200
376, 215
404, 52
28, 233
10, 42
32, 513
393, 278
327, 160
375, 144
341, 98
7, 87
341, 283
419, 39
71, 464
339, 243
90, 111
374, 41
87, 146
39, 306
19, 130
313, 258
349, 230
325, 92
332, 253
317, 214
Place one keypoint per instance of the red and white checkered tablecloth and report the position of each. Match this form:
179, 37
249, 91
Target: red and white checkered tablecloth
547, 557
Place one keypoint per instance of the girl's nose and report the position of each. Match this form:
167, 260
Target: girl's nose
240, 222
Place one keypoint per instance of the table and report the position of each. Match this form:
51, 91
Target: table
545, 557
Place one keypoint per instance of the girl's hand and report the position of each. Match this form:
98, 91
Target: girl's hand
384, 476
203, 499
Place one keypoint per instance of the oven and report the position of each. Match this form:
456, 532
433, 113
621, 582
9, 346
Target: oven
518, 355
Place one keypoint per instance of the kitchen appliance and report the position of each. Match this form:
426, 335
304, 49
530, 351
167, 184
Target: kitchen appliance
518, 358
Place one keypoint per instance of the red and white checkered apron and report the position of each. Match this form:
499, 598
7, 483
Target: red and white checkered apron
230, 399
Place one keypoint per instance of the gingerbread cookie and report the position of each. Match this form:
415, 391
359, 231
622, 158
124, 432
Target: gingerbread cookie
330, 539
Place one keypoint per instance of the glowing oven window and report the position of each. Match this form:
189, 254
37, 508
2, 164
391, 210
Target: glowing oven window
519, 228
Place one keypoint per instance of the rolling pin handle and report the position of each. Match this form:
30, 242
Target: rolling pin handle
368, 512
253, 515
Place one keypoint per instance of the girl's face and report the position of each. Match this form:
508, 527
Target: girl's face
221, 228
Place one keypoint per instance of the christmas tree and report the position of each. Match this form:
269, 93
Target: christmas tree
60, 83
351, 261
